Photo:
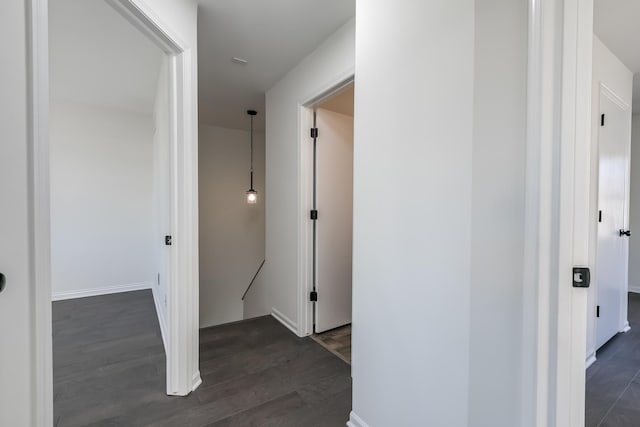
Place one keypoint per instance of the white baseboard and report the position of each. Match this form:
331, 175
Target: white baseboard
356, 421
290, 324
83, 293
591, 358
626, 327
196, 381
161, 318
635, 289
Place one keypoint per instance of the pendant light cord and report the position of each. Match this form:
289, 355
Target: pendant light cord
251, 153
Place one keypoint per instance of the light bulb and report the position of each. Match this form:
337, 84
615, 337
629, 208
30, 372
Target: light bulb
252, 197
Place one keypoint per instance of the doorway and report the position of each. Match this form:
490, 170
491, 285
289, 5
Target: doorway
110, 189
331, 218
182, 341
614, 308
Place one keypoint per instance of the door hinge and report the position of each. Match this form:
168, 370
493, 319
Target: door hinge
313, 296
597, 311
599, 216
314, 214
314, 132
167, 240
602, 120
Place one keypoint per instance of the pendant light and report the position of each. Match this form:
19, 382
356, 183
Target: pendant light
252, 195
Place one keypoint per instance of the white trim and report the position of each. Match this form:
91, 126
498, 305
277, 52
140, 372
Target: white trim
356, 421
626, 327
288, 323
557, 222
40, 244
142, 17
535, 331
105, 290
634, 288
614, 97
305, 193
305, 233
330, 89
196, 381
591, 359
162, 321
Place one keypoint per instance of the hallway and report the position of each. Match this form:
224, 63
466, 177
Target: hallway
109, 370
613, 381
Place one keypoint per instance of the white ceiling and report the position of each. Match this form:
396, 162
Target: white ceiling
98, 58
617, 24
273, 36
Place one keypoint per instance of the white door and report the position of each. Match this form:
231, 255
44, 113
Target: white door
334, 180
613, 194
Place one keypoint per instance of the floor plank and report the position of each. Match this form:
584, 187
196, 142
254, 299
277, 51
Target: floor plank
109, 370
613, 381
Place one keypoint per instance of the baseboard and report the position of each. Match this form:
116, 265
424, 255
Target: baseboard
356, 421
591, 358
290, 324
626, 327
83, 293
161, 318
634, 289
196, 381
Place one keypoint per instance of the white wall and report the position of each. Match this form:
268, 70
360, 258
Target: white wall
232, 232
101, 200
607, 69
412, 212
439, 212
497, 224
634, 208
257, 302
16, 301
333, 59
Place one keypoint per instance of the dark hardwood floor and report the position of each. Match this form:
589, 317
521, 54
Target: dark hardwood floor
613, 381
109, 370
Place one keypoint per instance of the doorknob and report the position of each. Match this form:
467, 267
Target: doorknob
3, 281
625, 233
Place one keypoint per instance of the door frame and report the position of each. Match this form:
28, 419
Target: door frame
183, 375
305, 196
557, 211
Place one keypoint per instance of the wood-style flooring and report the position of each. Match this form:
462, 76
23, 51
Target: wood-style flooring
613, 381
109, 370
337, 341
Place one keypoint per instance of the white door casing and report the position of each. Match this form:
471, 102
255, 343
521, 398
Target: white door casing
335, 219
614, 143
558, 221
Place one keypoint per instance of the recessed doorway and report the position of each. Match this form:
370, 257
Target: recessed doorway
331, 218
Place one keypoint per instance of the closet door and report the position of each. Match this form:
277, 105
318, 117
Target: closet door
613, 196
334, 180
